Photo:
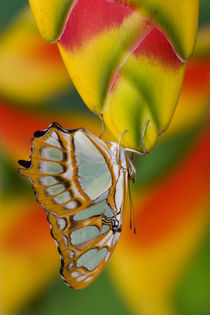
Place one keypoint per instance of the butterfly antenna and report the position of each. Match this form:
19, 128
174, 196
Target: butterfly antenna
134, 221
143, 134
132, 212
102, 121
129, 191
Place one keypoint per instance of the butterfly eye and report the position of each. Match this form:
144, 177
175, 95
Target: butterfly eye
131, 175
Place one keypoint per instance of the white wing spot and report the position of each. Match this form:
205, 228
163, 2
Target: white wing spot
106, 240
71, 253
71, 205
107, 257
61, 223
75, 274
71, 265
81, 278
65, 239
117, 236
88, 279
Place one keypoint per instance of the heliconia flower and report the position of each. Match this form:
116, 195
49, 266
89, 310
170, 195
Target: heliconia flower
127, 60
179, 19
28, 64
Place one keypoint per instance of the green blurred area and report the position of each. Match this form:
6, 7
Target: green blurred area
165, 155
193, 293
204, 12
8, 10
99, 298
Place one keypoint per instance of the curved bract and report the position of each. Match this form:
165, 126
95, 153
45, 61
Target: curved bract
127, 60
50, 16
178, 19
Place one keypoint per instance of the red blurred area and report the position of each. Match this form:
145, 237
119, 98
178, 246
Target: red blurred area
175, 198
29, 232
197, 76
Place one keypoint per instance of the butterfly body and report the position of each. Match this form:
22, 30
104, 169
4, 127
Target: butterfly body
82, 183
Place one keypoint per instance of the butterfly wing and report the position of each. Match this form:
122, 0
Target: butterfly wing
85, 243
73, 177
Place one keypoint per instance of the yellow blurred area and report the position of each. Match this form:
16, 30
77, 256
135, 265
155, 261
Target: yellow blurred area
157, 269
26, 266
31, 70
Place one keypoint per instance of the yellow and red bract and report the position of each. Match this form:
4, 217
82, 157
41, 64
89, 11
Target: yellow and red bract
127, 60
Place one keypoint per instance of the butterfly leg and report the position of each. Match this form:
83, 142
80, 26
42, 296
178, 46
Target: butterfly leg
118, 155
102, 121
143, 134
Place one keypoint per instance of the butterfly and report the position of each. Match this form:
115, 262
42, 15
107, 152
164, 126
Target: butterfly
82, 183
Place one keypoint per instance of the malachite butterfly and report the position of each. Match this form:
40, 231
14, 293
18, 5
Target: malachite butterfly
82, 183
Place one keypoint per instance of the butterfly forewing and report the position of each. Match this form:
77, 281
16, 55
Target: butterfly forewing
83, 192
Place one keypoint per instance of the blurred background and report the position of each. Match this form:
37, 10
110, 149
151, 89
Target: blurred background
164, 268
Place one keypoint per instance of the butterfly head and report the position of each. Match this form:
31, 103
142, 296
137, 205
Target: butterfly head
120, 156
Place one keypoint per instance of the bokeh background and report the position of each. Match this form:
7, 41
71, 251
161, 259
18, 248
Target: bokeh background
164, 268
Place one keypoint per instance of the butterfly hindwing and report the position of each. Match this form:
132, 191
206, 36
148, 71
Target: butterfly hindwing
85, 242
74, 179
